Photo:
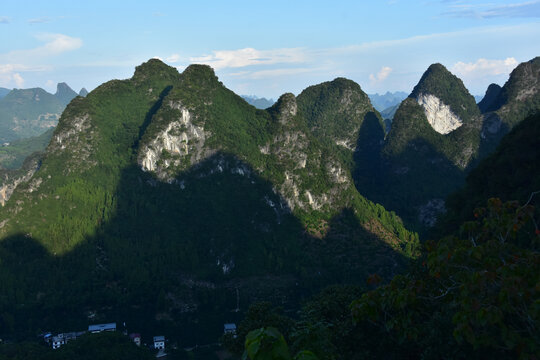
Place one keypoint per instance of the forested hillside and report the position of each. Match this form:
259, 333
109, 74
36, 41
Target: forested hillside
166, 199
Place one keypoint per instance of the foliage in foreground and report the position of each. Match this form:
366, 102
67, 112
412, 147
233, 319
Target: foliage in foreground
475, 295
269, 344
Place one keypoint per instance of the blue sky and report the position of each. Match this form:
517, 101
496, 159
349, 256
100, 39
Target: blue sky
267, 48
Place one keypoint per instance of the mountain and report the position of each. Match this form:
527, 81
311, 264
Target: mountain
385, 101
518, 98
512, 172
259, 103
28, 112
12, 156
491, 95
83, 92
435, 136
64, 93
4, 92
389, 113
438, 135
167, 200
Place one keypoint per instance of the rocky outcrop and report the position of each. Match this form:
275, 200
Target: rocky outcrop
12, 179
177, 146
286, 107
439, 115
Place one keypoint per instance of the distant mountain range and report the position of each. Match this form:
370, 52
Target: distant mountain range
387, 100
3, 92
259, 103
29, 112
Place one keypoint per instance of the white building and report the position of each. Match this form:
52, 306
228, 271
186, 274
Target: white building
58, 341
229, 328
159, 342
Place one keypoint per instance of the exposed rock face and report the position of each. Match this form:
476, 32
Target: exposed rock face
10, 183
178, 145
439, 115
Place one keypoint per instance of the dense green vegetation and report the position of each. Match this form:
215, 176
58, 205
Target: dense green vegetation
114, 346
489, 98
514, 174
13, 155
416, 167
516, 100
473, 294
93, 235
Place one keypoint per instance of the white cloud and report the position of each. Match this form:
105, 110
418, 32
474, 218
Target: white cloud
486, 11
10, 73
484, 67
381, 75
247, 57
54, 44
18, 80
173, 58
58, 43
272, 73
40, 20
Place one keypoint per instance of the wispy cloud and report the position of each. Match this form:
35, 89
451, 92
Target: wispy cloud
484, 67
54, 44
174, 58
248, 57
381, 75
4, 20
13, 63
10, 73
273, 73
40, 20
486, 11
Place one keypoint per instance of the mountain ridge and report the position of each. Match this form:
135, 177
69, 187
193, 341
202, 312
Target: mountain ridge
176, 173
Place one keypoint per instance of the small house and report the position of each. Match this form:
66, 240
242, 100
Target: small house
159, 342
101, 327
229, 329
58, 341
136, 338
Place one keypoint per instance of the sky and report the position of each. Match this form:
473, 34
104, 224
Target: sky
267, 48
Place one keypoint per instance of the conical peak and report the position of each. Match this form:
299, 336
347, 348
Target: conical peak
200, 74
155, 68
491, 95
285, 108
440, 85
434, 79
62, 87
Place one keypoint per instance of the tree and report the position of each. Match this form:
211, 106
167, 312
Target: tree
476, 293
